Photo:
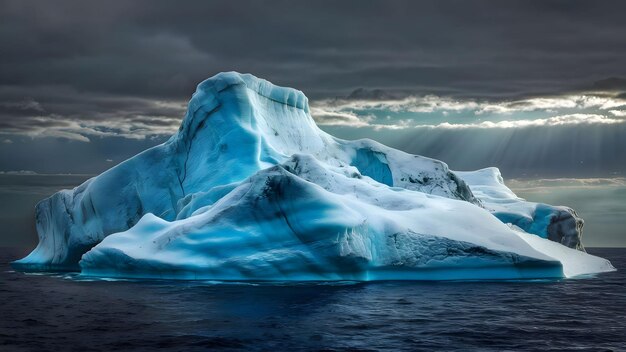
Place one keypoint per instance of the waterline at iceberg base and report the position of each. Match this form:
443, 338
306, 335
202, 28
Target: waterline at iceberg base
250, 188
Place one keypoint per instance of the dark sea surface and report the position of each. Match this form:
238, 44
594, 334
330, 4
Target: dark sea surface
58, 312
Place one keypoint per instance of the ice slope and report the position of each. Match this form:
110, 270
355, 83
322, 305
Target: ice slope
250, 188
303, 220
557, 223
235, 125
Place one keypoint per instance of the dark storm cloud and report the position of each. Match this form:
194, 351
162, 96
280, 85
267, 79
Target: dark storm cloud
610, 84
162, 49
66, 112
83, 70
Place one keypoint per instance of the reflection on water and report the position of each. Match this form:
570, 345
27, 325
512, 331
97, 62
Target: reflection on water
56, 311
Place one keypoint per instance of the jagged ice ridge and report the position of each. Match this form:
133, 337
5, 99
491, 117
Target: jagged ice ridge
250, 188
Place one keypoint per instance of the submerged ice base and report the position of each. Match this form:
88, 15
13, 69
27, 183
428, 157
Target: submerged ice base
251, 189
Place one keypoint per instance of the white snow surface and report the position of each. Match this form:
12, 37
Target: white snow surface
557, 223
251, 189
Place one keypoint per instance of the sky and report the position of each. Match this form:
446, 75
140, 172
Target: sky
536, 88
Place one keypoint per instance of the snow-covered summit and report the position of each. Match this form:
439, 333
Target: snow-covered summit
250, 188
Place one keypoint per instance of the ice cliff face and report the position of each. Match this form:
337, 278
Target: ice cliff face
251, 188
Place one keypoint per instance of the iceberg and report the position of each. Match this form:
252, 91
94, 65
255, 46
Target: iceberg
250, 188
557, 223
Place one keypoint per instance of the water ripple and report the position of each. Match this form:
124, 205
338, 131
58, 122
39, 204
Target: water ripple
63, 311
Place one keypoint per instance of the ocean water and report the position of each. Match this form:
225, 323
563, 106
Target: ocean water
58, 312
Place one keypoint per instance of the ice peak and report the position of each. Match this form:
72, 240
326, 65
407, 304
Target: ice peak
249, 98
224, 80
